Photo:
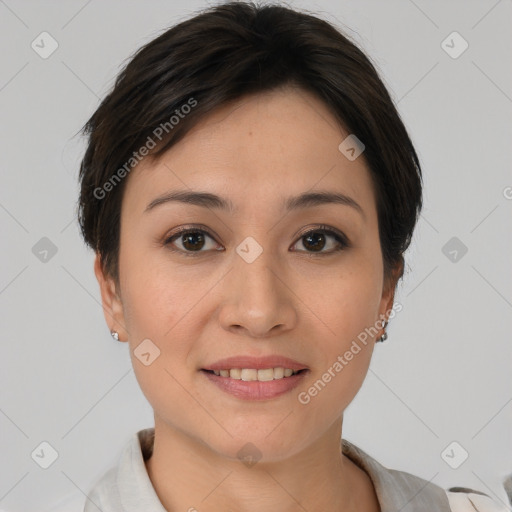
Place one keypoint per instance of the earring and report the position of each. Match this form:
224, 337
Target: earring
384, 336
115, 335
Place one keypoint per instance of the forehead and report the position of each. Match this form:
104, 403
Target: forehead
257, 150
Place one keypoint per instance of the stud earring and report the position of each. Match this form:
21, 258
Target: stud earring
115, 335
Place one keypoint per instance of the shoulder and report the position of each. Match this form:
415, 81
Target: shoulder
104, 494
462, 499
394, 488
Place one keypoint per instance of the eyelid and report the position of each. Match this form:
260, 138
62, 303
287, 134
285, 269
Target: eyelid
192, 227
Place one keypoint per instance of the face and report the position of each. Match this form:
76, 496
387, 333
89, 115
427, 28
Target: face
258, 280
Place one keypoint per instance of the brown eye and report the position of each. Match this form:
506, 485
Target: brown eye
191, 240
314, 241
318, 239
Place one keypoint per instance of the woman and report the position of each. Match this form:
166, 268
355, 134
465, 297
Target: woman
250, 191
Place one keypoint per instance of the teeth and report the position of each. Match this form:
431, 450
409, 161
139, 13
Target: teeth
236, 373
278, 373
251, 374
267, 374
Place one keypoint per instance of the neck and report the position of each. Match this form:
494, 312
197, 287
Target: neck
187, 474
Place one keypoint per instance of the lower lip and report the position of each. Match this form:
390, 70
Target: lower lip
256, 390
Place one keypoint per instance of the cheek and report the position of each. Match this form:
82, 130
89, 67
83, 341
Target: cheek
158, 306
352, 301
154, 293
158, 309
346, 353
348, 314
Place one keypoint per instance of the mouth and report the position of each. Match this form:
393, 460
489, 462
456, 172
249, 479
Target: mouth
255, 378
255, 384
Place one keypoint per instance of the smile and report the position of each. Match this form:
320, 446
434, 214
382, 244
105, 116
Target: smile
250, 384
251, 374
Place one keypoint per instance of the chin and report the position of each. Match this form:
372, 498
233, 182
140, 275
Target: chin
255, 445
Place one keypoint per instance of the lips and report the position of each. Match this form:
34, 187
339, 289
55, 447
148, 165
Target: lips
248, 377
256, 389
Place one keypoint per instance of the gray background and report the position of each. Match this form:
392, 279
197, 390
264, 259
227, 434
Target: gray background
444, 373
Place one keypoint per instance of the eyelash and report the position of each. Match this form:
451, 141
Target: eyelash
342, 240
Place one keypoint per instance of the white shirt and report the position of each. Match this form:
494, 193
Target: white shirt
127, 487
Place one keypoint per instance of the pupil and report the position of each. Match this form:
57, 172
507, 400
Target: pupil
314, 245
189, 239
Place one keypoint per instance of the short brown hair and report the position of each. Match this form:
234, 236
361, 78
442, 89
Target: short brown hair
220, 55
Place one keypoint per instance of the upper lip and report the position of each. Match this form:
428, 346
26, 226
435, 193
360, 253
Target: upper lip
257, 363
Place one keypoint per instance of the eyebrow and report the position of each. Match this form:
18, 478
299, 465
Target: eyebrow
209, 200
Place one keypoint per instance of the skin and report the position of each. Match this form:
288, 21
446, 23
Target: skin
291, 300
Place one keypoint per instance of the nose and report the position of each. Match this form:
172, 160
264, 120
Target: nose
257, 300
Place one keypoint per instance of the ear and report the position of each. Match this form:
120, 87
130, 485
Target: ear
388, 293
112, 305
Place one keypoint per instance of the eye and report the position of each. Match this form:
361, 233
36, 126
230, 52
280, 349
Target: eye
317, 239
192, 240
